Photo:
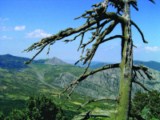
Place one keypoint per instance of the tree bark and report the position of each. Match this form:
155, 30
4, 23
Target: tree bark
126, 67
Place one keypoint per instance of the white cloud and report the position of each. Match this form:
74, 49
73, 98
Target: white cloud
20, 28
16, 28
4, 37
152, 49
38, 33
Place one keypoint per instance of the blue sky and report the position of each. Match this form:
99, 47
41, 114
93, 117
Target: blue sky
23, 22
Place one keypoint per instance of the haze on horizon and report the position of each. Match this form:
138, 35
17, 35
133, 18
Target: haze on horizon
24, 22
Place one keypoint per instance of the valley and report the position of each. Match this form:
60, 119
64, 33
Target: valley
49, 77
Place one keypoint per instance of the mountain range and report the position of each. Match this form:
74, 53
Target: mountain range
51, 76
14, 62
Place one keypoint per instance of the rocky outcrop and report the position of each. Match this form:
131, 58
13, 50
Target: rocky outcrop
105, 83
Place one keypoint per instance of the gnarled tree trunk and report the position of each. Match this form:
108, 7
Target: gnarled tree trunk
126, 67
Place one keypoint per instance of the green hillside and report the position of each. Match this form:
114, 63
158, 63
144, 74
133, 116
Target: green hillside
17, 85
12, 62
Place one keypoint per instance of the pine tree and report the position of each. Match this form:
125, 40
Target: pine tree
100, 23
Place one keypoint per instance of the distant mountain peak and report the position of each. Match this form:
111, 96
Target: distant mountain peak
55, 61
9, 61
8, 55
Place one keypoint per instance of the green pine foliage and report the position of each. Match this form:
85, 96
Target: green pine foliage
17, 115
1, 116
43, 108
146, 106
38, 108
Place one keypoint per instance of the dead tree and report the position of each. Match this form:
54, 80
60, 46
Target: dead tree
100, 23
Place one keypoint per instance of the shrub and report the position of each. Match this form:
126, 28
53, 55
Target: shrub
43, 108
38, 108
146, 106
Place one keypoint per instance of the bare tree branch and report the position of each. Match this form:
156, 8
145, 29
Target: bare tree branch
41, 49
140, 84
112, 37
84, 76
140, 67
70, 31
145, 70
94, 34
108, 30
91, 52
152, 1
139, 30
